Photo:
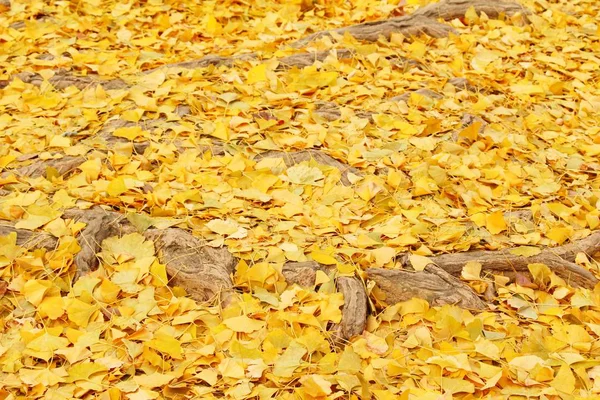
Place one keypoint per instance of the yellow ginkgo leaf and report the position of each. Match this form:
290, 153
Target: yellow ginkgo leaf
525, 251
302, 174
419, 262
495, 222
471, 271
129, 132
323, 258
243, 324
257, 73
127, 247
166, 344
286, 364
80, 312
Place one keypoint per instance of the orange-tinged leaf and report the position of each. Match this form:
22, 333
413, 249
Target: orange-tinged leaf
316, 386
495, 222
471, 132
116, 187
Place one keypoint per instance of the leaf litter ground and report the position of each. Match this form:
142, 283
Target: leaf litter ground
485, 139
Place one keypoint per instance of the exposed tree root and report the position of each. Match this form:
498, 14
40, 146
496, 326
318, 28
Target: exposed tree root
29, 239
561, 260
355, 309
422, 92
411, 25
295, 157
452, 9
204, 272
299, 60
38, 168
422, 21
433, 284
63, 79
330, 111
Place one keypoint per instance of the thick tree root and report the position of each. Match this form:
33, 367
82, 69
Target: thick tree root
355, 309
63, 79
330, 111
299, 60
433, 284
452, 9
296, 157
422, 21
561, 260
412, 25
39, 168
204, 272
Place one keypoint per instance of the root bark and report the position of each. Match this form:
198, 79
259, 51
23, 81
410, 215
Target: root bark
423, 21
204, 272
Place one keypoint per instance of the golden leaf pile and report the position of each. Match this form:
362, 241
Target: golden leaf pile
429, 183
